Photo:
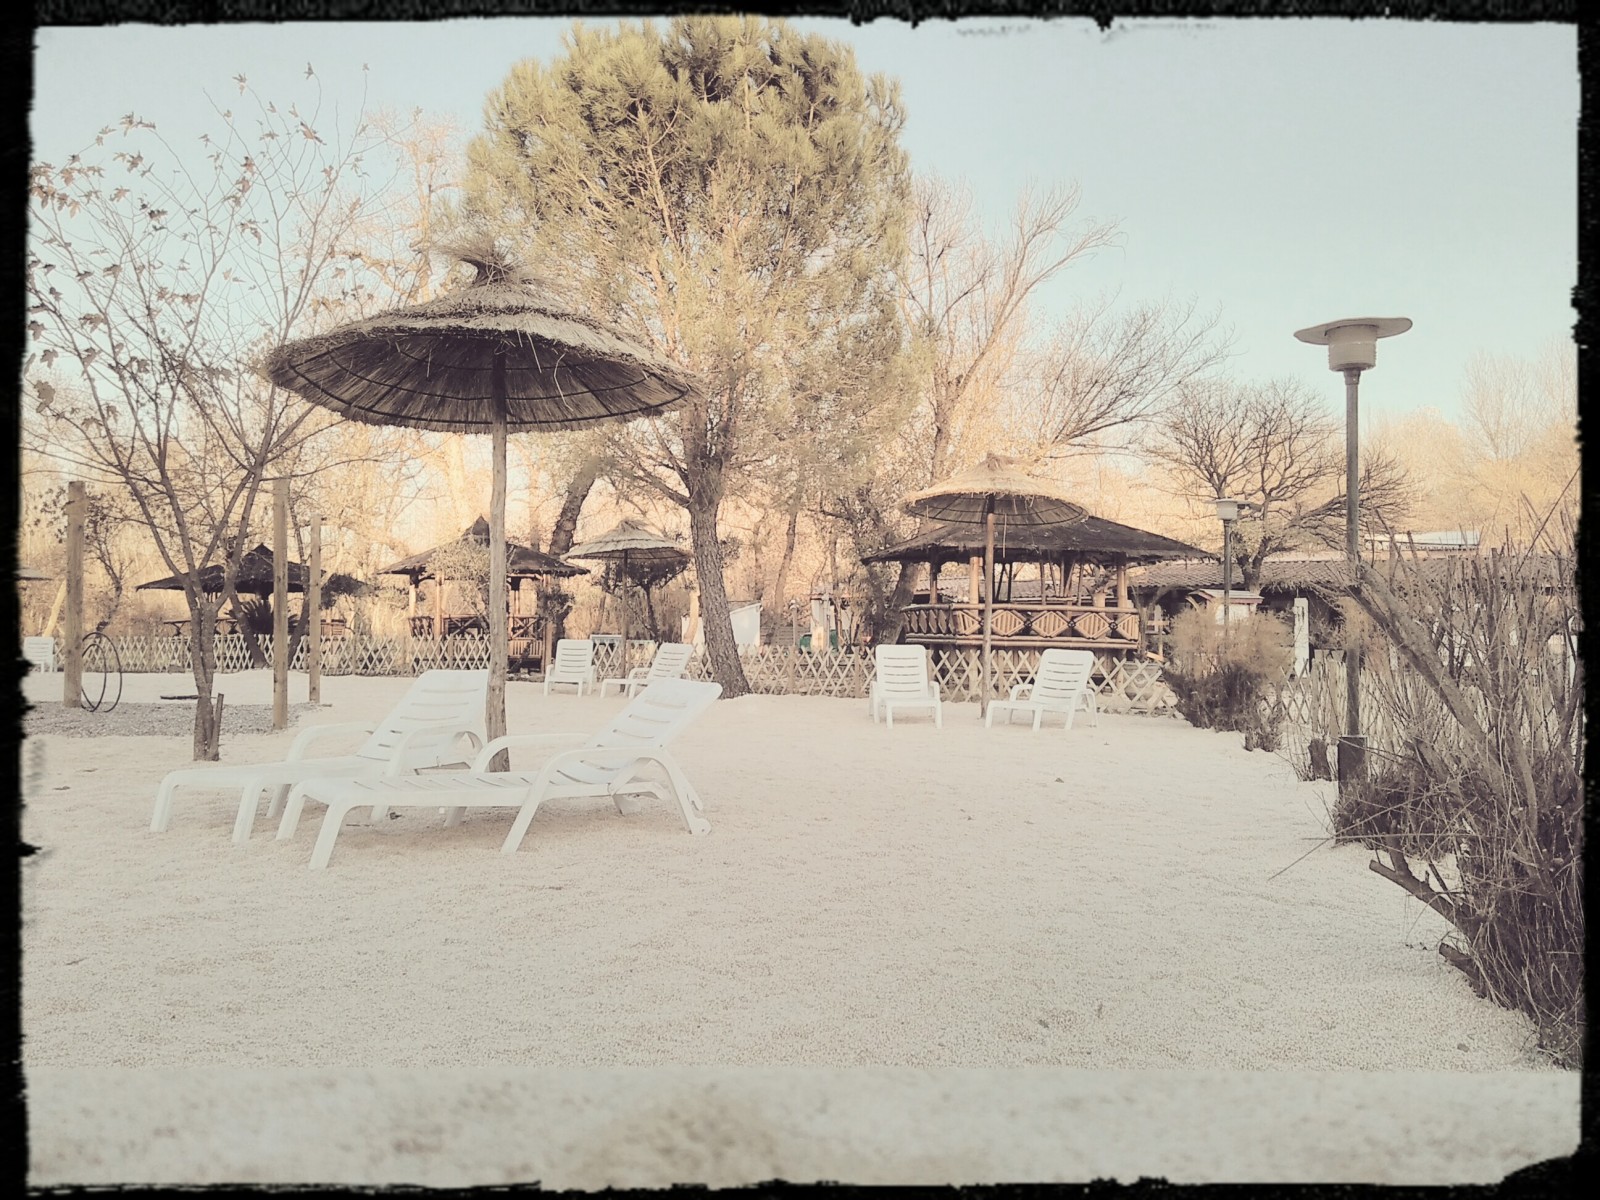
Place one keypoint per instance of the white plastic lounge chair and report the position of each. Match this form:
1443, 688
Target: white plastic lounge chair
423, 730
610, 764
573, 662
41, 652
670, 662
902, 681
1061, 685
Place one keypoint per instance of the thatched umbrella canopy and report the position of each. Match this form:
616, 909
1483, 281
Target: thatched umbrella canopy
495, 357
997, 487
642, 555
26, 574
255, 579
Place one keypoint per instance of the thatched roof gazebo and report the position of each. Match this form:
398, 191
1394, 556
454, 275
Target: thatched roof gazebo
1070, 609
637, 555
254, 578
523, 563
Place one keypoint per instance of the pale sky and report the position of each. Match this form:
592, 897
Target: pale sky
1290, 171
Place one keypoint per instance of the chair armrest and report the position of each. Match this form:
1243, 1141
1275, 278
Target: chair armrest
1018, 688
402, 747
306, 736
488, 753
937, 695
639, 673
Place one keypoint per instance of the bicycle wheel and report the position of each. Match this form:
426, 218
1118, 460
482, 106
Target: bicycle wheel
102, 673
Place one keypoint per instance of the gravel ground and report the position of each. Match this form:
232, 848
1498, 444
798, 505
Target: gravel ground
172, 719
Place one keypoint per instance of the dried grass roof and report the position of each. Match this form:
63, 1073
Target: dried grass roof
1333, 575
430, 366
255, 578
998, 483
1091, 539
639, 542
521, 561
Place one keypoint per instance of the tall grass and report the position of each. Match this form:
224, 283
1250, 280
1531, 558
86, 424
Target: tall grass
1225, 677
1480, 813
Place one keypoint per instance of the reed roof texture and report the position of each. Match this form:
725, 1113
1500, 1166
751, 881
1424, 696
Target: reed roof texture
521, 561
998, 484
255, 578
1091, 539
431, 366
635, 540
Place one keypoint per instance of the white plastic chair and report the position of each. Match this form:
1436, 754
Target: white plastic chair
901, 681
573, 662
1061, 685
440, 708
670, 662
41, 652
610, 764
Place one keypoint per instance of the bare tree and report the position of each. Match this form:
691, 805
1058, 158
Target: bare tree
154, 284
1276, 448
1102, 371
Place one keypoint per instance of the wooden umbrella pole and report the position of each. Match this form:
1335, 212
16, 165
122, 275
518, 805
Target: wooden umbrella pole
314, 603
72, 589
495, 718
988, 598
280, 603
622, 594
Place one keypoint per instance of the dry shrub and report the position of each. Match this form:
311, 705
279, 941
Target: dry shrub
1227, 678
1488, 790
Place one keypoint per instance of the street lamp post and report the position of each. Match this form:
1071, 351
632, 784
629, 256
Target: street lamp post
1352, 348
1227, 513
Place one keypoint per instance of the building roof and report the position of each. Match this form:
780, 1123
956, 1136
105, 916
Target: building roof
1291, 575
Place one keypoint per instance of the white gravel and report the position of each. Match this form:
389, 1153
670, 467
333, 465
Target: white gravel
1124, 903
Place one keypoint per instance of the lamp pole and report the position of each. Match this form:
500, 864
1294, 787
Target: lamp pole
1227, 512
1352, 348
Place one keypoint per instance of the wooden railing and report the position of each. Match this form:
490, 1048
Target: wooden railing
1031, 626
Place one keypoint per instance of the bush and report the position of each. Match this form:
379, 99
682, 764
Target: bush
1227, 678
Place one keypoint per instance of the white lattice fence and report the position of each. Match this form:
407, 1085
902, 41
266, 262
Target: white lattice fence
1313, 709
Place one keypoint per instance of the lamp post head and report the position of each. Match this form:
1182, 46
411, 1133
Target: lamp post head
1227, 510
1353, 342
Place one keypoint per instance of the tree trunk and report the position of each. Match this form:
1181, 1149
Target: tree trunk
565, 529
705, 498
894, 614
203, 661
780, 585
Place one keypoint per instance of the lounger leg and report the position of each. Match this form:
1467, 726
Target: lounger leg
279, 795
938, 715
162, 817
249, 798
519, 827
291, 811
688, 799
329, 833
452, 816
1038, 716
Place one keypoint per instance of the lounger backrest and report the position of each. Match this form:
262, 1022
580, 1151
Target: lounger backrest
460, 697
1062, 674
657, 715
671, 661
902, 671
574, 659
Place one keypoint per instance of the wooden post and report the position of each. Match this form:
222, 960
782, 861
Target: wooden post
988, 600
974, 567
1122, 582
499, 651
280, 603
314, 603
438, 606
72, 632
55, 610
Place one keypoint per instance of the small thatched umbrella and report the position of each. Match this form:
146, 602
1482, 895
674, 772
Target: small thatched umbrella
636, 548
996, 487
495, 357
28, 574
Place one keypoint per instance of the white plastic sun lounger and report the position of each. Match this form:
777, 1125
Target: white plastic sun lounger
612, 764
901, 681
572, 663
670, 662
423, 731
1061, 685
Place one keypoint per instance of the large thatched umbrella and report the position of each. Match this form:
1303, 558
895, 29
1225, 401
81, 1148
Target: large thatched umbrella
996, 488
639, 550
495, 357
522, 562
